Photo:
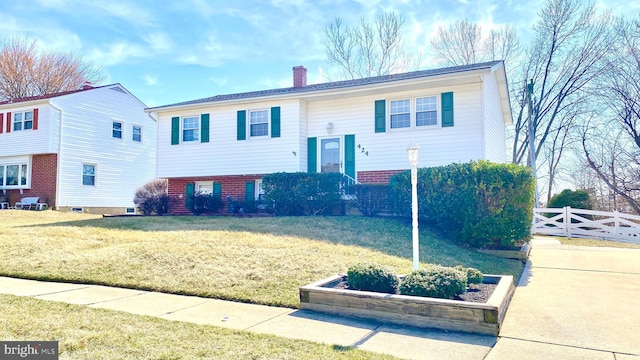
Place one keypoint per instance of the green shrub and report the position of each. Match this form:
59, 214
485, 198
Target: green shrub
578, 199
371, 198
152, 198
206, 203
302, 193
435, 281
478, 204
474, 276
371, 277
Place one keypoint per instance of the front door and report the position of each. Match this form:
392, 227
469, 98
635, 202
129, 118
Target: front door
330, 159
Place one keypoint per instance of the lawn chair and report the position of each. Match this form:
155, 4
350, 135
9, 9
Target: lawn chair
30, 203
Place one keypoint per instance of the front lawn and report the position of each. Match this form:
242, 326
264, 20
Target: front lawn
258, 260
86, 333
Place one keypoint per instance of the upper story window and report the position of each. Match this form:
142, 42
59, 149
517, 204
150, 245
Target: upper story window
426, 111
409, 113
259, 123
117, 130
400, 113
14, 175
88, 174
23, 121
190, 128
136, 133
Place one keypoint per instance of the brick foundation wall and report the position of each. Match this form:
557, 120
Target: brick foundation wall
376, 177
231, 186
44, 169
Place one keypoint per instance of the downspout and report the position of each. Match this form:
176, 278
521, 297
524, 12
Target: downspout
59, 157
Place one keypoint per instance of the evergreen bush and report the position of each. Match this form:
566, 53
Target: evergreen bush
371, 199
302, 193
435, 281
372, 277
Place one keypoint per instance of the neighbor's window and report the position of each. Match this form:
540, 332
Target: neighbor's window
23, 121
14, 175
88, 174
117, 130
204, 187
400, 113
136, 134
259, 122
190, 128
426, 111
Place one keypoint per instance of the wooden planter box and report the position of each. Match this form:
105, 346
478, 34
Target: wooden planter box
521, 254
482, 318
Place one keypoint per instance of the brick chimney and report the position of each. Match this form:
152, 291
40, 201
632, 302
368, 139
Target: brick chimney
299, 76
87, 85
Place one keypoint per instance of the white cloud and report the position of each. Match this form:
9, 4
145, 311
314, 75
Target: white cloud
116, 53
150, 80
159, 42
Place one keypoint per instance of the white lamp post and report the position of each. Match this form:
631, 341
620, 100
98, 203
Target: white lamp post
413, 152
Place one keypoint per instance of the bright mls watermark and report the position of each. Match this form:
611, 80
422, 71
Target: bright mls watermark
32, 350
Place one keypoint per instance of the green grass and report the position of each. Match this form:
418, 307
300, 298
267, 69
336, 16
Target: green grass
596, 243
258, 260
85, 333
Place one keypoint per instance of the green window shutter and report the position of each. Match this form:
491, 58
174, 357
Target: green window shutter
312, 155
249, 191
275, 121
175, 130
350, 155
381, 116
204, 128
189, 190
446, 100
217, 190
242, 125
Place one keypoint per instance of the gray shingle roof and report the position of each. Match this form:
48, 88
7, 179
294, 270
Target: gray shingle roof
334, 85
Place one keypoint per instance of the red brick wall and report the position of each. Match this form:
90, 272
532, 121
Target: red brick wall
231, 185
43, 180
376, 177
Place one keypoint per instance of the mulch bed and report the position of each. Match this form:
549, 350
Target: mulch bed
480, 293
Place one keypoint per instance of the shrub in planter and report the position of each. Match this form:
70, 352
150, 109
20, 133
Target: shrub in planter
371, 277
474, 276
435, 281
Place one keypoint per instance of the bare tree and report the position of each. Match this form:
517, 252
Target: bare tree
464, 43
26, 71
369, 49
567, 55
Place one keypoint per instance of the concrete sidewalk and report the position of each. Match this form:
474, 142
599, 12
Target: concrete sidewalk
571, 303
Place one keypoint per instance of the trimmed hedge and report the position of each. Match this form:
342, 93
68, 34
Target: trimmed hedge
578, 199
372, 277
302, 193
435, 281
478, 204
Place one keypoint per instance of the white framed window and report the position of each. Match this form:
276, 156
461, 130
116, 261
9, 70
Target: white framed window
204, 187
400, 113
88, 174
116, 130
190, 128
23, 121
136, 133
413, 113
259, 191
426, 111
258, 123
14, 174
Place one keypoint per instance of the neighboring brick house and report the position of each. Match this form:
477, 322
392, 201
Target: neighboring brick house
226, 143
85, 150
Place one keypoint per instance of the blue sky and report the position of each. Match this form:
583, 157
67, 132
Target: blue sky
170, 51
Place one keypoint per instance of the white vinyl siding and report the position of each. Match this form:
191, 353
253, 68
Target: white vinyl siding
228, 156
121, 167
493, 129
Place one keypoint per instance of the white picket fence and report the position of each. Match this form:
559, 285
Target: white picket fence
571, 222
